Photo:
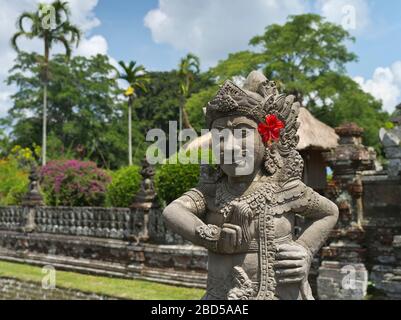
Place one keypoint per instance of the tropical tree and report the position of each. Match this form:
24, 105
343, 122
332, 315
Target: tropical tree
138, 81
307, 57
51, 24
84, 112
188, 68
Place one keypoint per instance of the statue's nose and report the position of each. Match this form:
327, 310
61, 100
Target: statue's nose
230, 148
232, 144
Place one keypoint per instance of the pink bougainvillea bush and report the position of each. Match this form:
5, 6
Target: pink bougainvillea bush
74, 183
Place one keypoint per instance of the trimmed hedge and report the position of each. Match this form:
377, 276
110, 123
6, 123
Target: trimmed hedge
173, 178
125, 184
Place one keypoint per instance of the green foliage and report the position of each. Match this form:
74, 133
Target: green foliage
84, 112
187, 70
125, 184
304, 53
112, 287
14, 182
173, 178
135, 75
180, 173
307, 56
88, 121
5, 143
195, 105
355, 105
237, 64
158, 106
63, 32
389, 125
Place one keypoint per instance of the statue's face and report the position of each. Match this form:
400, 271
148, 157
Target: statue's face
238, 145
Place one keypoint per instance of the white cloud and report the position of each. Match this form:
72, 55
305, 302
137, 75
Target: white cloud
353, 15
212, 29
82, 14
385, 85
92, 46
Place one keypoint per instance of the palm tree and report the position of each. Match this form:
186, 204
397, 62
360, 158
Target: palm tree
138, 80
188, 68
62, 31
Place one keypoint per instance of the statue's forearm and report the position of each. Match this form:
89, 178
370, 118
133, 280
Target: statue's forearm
183, 222
319, 225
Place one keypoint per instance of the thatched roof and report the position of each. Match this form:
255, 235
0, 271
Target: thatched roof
313, 134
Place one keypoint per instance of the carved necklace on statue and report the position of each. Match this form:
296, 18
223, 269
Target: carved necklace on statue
240, 210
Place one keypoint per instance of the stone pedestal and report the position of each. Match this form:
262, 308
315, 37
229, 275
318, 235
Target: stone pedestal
343, 275
31, 201
144, 202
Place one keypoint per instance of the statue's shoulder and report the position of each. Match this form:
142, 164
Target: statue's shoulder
291, 196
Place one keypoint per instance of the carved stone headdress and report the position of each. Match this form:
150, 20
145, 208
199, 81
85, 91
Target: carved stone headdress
257, 99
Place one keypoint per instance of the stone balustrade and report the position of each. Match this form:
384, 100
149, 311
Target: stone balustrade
109, 223
114, 223
11, 218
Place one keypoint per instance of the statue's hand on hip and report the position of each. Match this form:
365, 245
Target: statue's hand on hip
292, 263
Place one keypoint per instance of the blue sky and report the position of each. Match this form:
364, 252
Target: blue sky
157, 33
129, 39
379, 45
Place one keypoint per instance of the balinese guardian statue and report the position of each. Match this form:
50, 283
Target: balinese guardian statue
246, 221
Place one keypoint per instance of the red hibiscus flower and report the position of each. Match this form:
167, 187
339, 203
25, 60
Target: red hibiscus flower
270, 130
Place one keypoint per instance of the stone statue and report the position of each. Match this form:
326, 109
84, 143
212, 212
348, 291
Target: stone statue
247, 221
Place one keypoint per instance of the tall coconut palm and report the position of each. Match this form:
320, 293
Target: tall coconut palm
138, 80
189, 67
50, 23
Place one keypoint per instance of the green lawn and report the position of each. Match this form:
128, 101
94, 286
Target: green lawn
122, 288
